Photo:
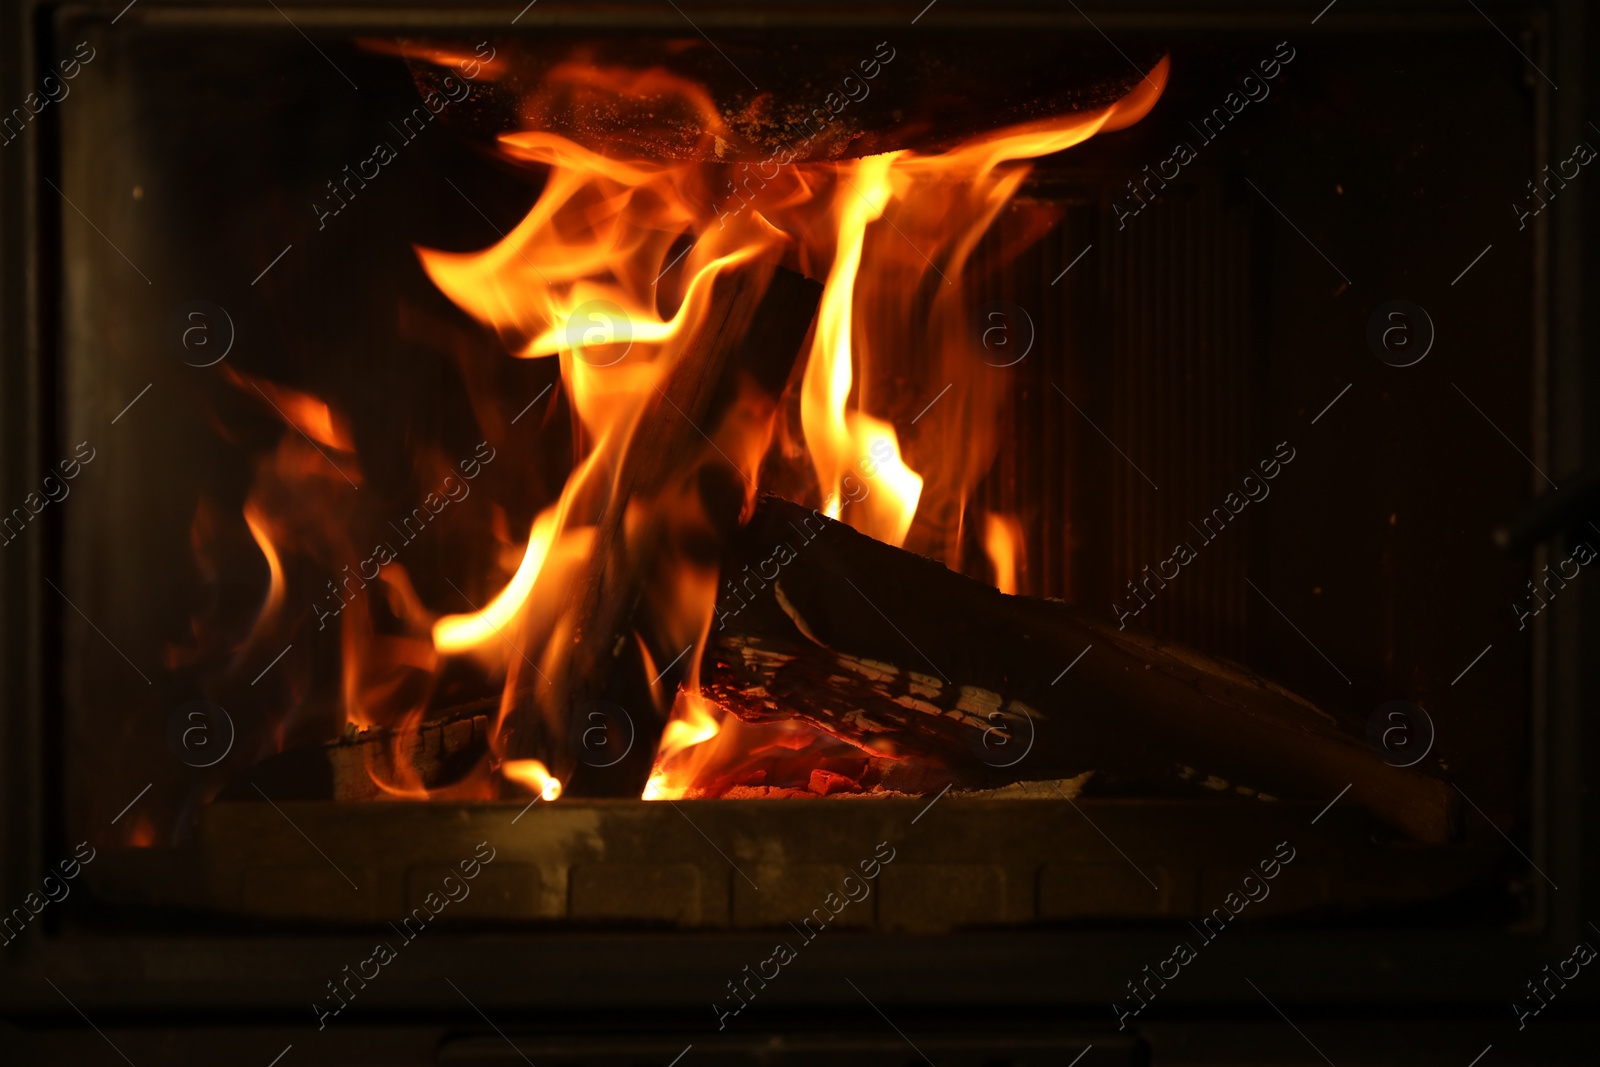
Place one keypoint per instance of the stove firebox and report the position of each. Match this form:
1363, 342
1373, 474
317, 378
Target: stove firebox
700, 531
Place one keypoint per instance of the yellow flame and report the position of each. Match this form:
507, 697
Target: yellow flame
643, 327
534, 775
893, 489
462, 633
839, 439
828, 375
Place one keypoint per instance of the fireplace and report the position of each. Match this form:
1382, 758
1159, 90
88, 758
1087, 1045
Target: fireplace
632, 534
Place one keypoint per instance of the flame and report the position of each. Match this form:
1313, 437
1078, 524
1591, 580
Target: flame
141, 831
301, 515
1002, 539
840, 439
306, 413
458, 633
917, 219
257, 523
692, 724
534, 775
473, 64
828, 371
610, 275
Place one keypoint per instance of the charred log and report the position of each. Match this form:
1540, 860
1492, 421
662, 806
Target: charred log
894, 653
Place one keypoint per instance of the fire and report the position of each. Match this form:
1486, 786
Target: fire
459, 633
1002, 539
534, 775
837, 437
275, 581
311, 416
611, 275
141, 832
692, 725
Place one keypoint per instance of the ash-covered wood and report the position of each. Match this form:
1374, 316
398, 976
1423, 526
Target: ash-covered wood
886, 649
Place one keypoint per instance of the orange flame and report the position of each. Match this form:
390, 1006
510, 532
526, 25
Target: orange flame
1002, 538
692, 725
306, 413
583, 275
275, 582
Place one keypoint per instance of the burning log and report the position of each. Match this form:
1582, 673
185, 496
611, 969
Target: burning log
734, 367
896, 654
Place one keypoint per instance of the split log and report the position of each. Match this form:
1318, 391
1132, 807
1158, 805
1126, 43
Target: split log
894, 653
758, 319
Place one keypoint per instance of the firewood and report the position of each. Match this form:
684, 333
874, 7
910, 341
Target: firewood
893, 652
